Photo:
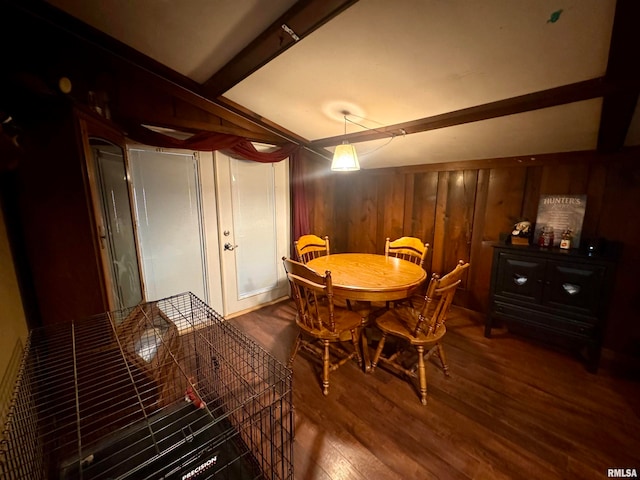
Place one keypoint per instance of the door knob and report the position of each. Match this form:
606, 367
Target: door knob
228, 246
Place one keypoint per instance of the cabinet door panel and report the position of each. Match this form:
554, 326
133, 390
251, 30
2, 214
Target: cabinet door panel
520, 278
575, 288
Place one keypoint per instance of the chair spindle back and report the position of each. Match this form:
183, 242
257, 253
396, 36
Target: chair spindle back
311, 246
313, 296
438, 299
407, 248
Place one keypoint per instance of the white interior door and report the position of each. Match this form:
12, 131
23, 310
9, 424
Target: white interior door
171, 230
253, 202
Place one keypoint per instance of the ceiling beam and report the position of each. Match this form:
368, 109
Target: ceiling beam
552, 97
268, 125
299, 21
618, 106
195, 126
265, 123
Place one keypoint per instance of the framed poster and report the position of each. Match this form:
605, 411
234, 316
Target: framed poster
561, 212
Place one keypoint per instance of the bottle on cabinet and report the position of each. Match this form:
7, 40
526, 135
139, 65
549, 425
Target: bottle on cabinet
546, 237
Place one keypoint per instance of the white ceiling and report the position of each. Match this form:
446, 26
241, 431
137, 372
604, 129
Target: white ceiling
389, 62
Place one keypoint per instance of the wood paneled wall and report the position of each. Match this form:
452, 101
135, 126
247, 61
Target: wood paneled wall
461, 208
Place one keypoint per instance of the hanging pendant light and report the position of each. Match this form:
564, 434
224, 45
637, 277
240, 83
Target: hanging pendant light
345, 158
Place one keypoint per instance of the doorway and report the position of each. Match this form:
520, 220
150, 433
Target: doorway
254, 232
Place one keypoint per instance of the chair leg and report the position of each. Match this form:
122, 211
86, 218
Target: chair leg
443, 360
294, 350
325, 368
422, 374
355, 336
376, 356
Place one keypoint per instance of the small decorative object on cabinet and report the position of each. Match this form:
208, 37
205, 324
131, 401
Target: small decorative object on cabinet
521, 233
558, 296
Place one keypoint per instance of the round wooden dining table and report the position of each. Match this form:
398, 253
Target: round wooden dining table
369, 277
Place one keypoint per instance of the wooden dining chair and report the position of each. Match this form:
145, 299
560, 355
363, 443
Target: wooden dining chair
322, 325
419, 330
311, 246
408, 248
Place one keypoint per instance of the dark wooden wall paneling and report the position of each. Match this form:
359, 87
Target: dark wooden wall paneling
460, 209
618, 221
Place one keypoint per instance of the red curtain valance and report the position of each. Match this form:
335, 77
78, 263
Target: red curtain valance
208, 141
236, 146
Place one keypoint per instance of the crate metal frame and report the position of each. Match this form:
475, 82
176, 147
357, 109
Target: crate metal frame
166, 389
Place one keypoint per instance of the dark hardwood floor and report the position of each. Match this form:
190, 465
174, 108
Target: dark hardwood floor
510, 409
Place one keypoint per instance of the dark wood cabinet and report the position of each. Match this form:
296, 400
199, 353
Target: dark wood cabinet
557, 296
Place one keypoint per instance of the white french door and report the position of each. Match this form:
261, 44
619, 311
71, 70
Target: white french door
254, 233
171, 235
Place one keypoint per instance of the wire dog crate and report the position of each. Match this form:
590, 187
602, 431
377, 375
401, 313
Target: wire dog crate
164, 390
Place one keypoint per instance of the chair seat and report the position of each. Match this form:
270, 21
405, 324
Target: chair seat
402, 321
345, 320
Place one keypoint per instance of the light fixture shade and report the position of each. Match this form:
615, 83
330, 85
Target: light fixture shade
345, 158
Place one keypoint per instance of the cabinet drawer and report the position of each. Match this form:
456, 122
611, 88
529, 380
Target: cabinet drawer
548, 321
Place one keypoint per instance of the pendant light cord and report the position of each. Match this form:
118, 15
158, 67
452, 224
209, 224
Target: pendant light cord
391, 135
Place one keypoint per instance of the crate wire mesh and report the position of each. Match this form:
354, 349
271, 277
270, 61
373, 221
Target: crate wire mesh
166, 389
